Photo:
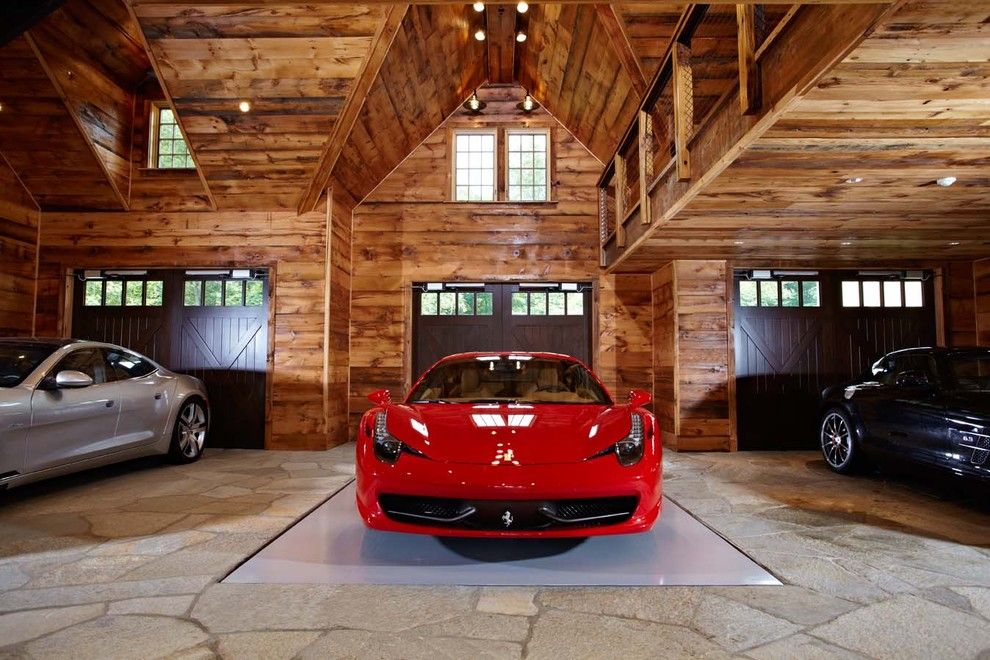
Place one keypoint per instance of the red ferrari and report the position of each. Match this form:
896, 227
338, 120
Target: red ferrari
509, 444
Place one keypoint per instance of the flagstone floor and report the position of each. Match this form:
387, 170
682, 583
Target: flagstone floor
125, 562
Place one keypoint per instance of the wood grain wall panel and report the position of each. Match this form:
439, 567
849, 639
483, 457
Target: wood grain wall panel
19, 219
981, 279
408, 231
665, 352
93, 54
649, 27
432, 67
960, 300
294, 64
41, 141
570, 65
307, 391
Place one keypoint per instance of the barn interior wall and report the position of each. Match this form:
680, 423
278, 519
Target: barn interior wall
19, 219
408, 231
310, 292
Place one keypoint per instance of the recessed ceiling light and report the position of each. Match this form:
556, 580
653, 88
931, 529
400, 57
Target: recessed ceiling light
738, 242
479, 35
855, 179
1, 107
520, 36
846, 243
946, 181
479, 6
522, 7
245, 106
953, 243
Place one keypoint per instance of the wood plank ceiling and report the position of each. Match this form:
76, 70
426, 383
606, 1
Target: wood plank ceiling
849, 172
293, 63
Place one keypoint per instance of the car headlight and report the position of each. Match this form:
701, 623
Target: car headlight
387, 448
629, 450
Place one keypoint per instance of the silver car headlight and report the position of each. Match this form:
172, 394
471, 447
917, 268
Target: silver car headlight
628, 451
387, 448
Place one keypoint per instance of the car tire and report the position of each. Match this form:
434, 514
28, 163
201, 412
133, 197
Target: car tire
838, 442
189, 432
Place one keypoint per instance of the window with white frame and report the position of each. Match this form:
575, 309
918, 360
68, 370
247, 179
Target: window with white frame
527, 167
168, 148
474, 166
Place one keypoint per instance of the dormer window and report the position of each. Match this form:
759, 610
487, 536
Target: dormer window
169, 150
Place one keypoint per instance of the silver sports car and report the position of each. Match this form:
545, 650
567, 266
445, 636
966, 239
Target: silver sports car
68, 405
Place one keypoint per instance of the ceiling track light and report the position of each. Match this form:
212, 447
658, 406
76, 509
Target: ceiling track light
474, 105
522, 7
528, 104
480, 34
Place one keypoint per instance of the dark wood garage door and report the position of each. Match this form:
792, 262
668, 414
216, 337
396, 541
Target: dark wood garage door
210, 324
457, 318
798, 333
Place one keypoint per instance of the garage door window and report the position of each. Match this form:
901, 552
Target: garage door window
882, 293
117, 293
223, 293
775, 293
542, 303
460, 303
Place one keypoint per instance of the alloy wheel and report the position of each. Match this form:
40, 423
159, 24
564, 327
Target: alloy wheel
836, 440
192, 429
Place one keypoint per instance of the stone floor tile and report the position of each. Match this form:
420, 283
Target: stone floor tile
271, 525
11, 577
164, 605
478, 625
236, 607
978, 597
663, 605
89, 570
264, 645
18, 627
188, 562
294, 505
159, 544
791, 602
130, 524
507, 600
558, 634
364, 644
736, 626
908, 627
21, 599
224, 492
803, 647
113, 637
306, 485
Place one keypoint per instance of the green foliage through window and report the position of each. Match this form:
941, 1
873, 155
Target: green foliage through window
114, 294
94, 293
171, 149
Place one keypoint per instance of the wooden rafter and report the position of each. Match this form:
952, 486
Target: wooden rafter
381, 43
168, 98
73, 107
610, 20
749, 74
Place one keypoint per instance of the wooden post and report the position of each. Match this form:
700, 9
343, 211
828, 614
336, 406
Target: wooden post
749, 70
645, 165
620, 207
683, 108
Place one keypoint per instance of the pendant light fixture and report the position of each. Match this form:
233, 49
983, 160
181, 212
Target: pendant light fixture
528, 104
474, 105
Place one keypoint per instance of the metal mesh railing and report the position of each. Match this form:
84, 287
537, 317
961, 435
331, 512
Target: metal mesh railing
631, 183
768, 17
606, 212
661, 131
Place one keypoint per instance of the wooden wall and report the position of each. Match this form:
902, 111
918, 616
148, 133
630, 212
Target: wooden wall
19, 219
308, 382
408, 231
981, 280
691, 355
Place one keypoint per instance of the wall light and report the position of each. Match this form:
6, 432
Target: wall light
480, 34
522, 7
855, 179
474, 105
245, 106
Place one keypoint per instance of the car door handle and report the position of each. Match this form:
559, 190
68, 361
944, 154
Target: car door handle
110, 404
158, 396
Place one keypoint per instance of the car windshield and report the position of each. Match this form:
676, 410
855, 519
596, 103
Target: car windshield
510, 379
18, 360
970, 372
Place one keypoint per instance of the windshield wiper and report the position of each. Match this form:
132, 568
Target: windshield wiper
491, 401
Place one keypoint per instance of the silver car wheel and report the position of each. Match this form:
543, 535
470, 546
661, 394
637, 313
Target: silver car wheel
192, 429
836, 440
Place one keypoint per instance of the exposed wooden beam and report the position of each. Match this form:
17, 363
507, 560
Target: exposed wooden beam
221, 3
168, 97
501, 40
749, 74
683, 109
382, 42
620, 41
817, 38
76, 105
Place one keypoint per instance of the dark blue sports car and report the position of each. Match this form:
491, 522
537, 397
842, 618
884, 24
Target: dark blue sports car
926, 405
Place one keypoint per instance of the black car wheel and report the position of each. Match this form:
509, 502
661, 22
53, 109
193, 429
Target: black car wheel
838, 442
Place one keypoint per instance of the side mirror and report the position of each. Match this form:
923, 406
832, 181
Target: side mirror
638, 398
912, 378
381, 397
71, 379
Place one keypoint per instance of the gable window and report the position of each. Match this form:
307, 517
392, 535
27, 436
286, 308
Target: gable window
474, 166
168, 147
528, 174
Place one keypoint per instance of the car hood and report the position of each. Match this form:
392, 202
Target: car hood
514, 434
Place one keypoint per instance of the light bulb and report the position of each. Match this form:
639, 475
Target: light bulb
479, 35
520, 36
522, 7
479, 7
245, 106
474, 102
528, 102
